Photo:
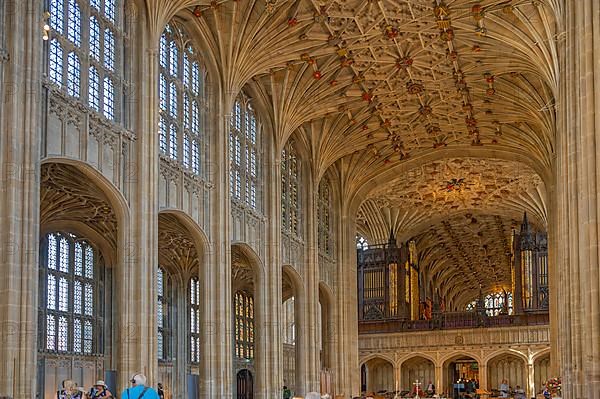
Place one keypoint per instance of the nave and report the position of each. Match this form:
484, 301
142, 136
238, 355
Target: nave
292, 198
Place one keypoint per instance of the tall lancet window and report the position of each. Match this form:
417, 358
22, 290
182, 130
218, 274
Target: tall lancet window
84, 52
244, 157
163, 314
243, 305
194, 321
182, 100
290, 199
324, 217
69, 313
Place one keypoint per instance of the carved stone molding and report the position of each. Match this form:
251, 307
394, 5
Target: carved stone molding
176, 248
69, 195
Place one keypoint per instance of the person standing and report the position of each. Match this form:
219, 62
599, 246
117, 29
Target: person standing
287, 394
504, 389
139, 389
161, 391
430, 388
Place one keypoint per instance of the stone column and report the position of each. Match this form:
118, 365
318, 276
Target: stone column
439, 378
136, 278
217, 335
578, 198
483, 377
20, 89
530, 389
313, 372
348, 371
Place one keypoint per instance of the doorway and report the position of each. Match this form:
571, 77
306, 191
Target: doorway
245, 385
462, 377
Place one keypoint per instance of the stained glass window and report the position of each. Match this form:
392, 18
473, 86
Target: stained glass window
57, 12
243, 305
70, 293
73, 75
56, 62
361, 242
94, 89
244, 154
162, 129
194, 323
94, 38
324, 217
74, 24
290, 202
109, 99
162, 310
93, 49
180, 102
288, 321
109, 50
495, 303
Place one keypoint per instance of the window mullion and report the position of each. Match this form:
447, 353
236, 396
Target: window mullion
84, 53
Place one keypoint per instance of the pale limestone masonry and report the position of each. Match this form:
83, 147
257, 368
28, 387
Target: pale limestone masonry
519, 83
526, 345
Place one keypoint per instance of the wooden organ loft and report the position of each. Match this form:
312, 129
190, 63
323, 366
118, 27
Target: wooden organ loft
530, 269
390, 297
388, 282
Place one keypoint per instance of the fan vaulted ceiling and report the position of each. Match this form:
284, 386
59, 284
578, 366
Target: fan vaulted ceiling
461, 90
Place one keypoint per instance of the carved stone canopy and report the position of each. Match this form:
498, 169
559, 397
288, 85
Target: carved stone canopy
68, 195
177, 251
242, 271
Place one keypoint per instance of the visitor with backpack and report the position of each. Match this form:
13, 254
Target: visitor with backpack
139, 389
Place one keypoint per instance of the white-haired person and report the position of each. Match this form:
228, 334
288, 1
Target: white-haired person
139, 389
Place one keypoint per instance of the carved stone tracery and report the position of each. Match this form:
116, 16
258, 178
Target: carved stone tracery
67, 194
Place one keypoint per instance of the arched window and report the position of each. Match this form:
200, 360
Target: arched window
495, 304
70, 317
243, 306
289, 322
290, 202
324, 217
162, 314
244, 158
181, 93
361, 242
85, 37
194, 324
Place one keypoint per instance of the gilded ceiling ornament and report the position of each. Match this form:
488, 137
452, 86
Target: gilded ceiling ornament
454, 185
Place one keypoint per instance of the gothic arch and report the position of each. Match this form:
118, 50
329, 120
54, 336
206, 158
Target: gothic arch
414, 355
542, 353
201, 240
114, 249
382, 356
458, 354
328, 317
254, 260
114, 195
509, 365
486, 359
293, 289
416, 366
378, 374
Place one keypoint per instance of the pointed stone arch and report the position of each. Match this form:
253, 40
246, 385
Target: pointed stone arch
93, 208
